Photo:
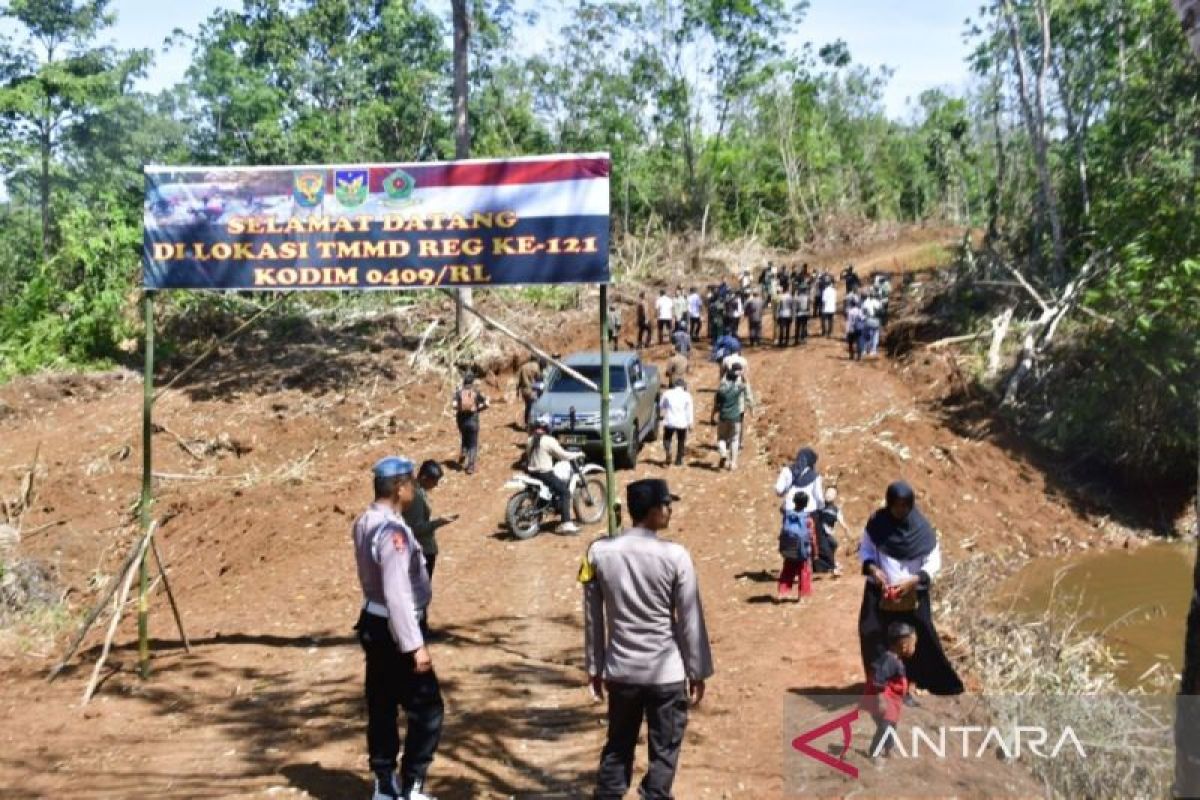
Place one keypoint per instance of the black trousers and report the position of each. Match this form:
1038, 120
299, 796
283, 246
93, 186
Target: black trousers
430, 561
826, 557
783, 330
468, 431
526, 421
562, 492
675, 433
755, 332
664, 330
392, 684
665, 710
694, 328
645, 335
802, 328
882, 726
827, 324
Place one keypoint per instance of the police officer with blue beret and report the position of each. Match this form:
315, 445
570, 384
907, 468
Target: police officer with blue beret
395, 585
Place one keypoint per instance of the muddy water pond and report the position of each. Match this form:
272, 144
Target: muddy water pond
1138, 599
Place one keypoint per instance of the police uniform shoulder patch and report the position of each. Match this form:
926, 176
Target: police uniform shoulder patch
587, 570
399, 541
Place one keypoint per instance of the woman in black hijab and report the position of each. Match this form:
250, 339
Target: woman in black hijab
900, 557
801, 475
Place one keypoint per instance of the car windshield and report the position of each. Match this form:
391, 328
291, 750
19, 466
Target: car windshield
565, 384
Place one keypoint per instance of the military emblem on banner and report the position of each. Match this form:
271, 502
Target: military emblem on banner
308, 188
399, 185
351, 186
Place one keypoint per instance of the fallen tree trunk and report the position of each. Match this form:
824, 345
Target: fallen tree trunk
1041, 334
1000, 326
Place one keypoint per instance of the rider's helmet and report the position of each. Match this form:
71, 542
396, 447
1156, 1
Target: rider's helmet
541, 422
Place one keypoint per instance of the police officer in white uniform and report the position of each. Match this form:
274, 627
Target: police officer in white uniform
645, 641
395, 585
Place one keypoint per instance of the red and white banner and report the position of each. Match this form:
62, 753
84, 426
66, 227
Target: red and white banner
530, 220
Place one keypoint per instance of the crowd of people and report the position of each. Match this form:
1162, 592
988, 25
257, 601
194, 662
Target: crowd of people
646, 643
795, 298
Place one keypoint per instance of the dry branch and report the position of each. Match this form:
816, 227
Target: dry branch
1041, 333
949, 340
174, 476
187, 448
41, 528
1000, 327
412, 360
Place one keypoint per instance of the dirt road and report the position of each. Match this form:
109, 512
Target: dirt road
269, 704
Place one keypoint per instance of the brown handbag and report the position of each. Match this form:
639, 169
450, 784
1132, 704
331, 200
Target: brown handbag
905, 602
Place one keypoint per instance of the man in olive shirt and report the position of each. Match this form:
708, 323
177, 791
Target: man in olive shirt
677, 368
528, 377
419, 517
729, 411
645, 641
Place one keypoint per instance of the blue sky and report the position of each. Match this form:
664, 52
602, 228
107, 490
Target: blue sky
920, 39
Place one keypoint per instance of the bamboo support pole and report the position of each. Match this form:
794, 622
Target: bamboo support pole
126, 584
531, 347
147, 494
605, 402
162, 571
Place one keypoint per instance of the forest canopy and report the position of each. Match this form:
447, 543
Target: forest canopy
1077, 146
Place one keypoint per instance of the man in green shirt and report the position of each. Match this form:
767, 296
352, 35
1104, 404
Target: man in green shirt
729, 409
419, 517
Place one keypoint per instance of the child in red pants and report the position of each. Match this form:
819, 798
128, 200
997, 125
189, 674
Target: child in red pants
888, 689
797, 543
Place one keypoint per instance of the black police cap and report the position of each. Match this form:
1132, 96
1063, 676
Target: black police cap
642, 496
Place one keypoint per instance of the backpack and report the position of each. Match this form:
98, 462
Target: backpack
467, 401
795, 540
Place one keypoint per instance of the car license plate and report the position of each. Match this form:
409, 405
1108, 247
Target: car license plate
568, 439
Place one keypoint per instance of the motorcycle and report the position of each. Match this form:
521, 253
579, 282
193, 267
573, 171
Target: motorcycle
534, 500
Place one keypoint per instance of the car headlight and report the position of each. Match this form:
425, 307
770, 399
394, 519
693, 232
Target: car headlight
618, 415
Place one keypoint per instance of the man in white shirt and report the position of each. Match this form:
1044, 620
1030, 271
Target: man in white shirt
828, 309
665, 312
872, 309
695, 314
735, 362
681, 306
678, 415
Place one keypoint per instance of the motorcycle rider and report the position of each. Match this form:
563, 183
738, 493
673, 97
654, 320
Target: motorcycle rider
542, 452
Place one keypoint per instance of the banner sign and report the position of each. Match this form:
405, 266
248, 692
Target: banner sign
373, 226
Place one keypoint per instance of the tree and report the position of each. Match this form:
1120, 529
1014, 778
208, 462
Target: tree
52, 80
1032, 96
319, 80
462, 130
